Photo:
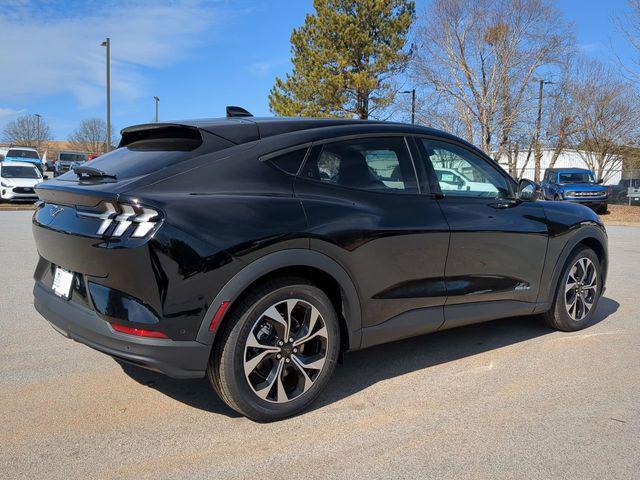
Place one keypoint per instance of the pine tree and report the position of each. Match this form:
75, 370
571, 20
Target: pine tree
344, 59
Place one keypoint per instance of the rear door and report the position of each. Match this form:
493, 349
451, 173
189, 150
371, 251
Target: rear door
365, 210
498, 244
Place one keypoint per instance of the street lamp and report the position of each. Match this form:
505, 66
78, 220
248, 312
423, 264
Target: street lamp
37, 115
156, 99
413, 104
107, 44
538, 152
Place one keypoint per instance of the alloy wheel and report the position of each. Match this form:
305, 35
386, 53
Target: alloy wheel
581, 288
286, 350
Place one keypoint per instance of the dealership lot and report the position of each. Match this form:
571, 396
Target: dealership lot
506, 399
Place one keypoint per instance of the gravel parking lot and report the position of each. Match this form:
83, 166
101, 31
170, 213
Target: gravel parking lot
507, 399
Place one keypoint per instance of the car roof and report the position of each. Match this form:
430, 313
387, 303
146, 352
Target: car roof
18, 164
18, 147
247, 129
569, 169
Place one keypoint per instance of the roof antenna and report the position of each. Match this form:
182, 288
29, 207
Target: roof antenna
237, 112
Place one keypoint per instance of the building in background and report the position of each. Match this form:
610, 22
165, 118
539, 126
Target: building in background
612, 173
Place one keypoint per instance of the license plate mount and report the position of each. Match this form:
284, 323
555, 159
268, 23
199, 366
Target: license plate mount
62, 282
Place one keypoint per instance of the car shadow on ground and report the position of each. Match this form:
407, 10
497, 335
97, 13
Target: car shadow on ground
365, 368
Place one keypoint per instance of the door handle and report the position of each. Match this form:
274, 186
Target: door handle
500, 204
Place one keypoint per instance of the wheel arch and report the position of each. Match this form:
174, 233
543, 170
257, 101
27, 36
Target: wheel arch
316, 267
592, 236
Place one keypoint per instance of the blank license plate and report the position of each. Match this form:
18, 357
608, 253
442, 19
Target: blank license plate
62, 281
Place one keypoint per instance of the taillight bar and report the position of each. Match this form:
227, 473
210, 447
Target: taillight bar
123, 216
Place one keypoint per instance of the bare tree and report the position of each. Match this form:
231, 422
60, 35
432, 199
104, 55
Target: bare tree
27, 130
629, 25
609, 118
90, 136
479, 58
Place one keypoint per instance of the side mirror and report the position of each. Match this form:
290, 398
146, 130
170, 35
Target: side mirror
46, 177
528, 190
600, 180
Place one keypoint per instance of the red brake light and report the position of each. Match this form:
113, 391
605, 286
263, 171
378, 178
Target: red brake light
217, 318
137, 331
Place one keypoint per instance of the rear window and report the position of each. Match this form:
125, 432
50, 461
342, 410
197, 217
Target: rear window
143, 152
12, 171
17, 153
73, 157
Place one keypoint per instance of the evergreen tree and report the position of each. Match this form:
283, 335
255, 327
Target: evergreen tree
344, 59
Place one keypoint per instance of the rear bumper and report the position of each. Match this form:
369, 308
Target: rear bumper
177, 359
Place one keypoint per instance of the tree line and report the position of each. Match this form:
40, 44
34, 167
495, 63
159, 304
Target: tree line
30, 130
480, 69
506, 75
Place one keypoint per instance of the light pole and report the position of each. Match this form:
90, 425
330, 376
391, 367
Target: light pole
538, 151
107, 44
37, 115
156, 99
413, 104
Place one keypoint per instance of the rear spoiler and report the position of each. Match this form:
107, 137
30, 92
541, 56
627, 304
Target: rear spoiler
157, 131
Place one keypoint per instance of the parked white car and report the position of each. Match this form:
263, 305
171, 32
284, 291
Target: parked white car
18, 179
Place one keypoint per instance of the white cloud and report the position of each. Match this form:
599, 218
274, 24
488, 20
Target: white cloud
9, 113
48, 48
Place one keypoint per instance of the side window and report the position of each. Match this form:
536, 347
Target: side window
461, 173
378, 164
289, 162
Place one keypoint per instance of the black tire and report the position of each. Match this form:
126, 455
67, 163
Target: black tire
556, 198
602, 209
227, 362
558, 316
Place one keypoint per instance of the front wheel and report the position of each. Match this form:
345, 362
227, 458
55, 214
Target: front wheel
277, 351
578, 292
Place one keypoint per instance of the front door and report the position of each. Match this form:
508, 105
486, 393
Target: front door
498, 244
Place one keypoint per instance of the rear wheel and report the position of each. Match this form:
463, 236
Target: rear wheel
578, 292
278, 350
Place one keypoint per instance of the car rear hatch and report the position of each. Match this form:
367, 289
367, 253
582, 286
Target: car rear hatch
89, 223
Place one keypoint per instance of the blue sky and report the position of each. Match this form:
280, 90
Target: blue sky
196, 55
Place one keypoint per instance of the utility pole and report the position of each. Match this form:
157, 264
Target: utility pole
413, 104
37, 115
107, 44
538, 150
156, 100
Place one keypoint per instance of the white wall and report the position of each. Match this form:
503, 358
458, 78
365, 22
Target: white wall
567, 159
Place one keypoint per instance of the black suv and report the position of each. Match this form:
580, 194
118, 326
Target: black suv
256, 251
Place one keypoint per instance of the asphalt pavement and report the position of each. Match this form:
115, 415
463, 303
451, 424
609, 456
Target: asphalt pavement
505, 399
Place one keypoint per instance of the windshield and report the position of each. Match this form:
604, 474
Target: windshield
73, 157
15, 153
10, 171
575, 177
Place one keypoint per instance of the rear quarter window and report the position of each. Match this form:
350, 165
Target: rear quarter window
289, 162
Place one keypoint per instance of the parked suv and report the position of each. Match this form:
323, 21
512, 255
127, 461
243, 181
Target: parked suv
24, 154
575, 185
620, 192
17, 181
257, 251
67, 160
